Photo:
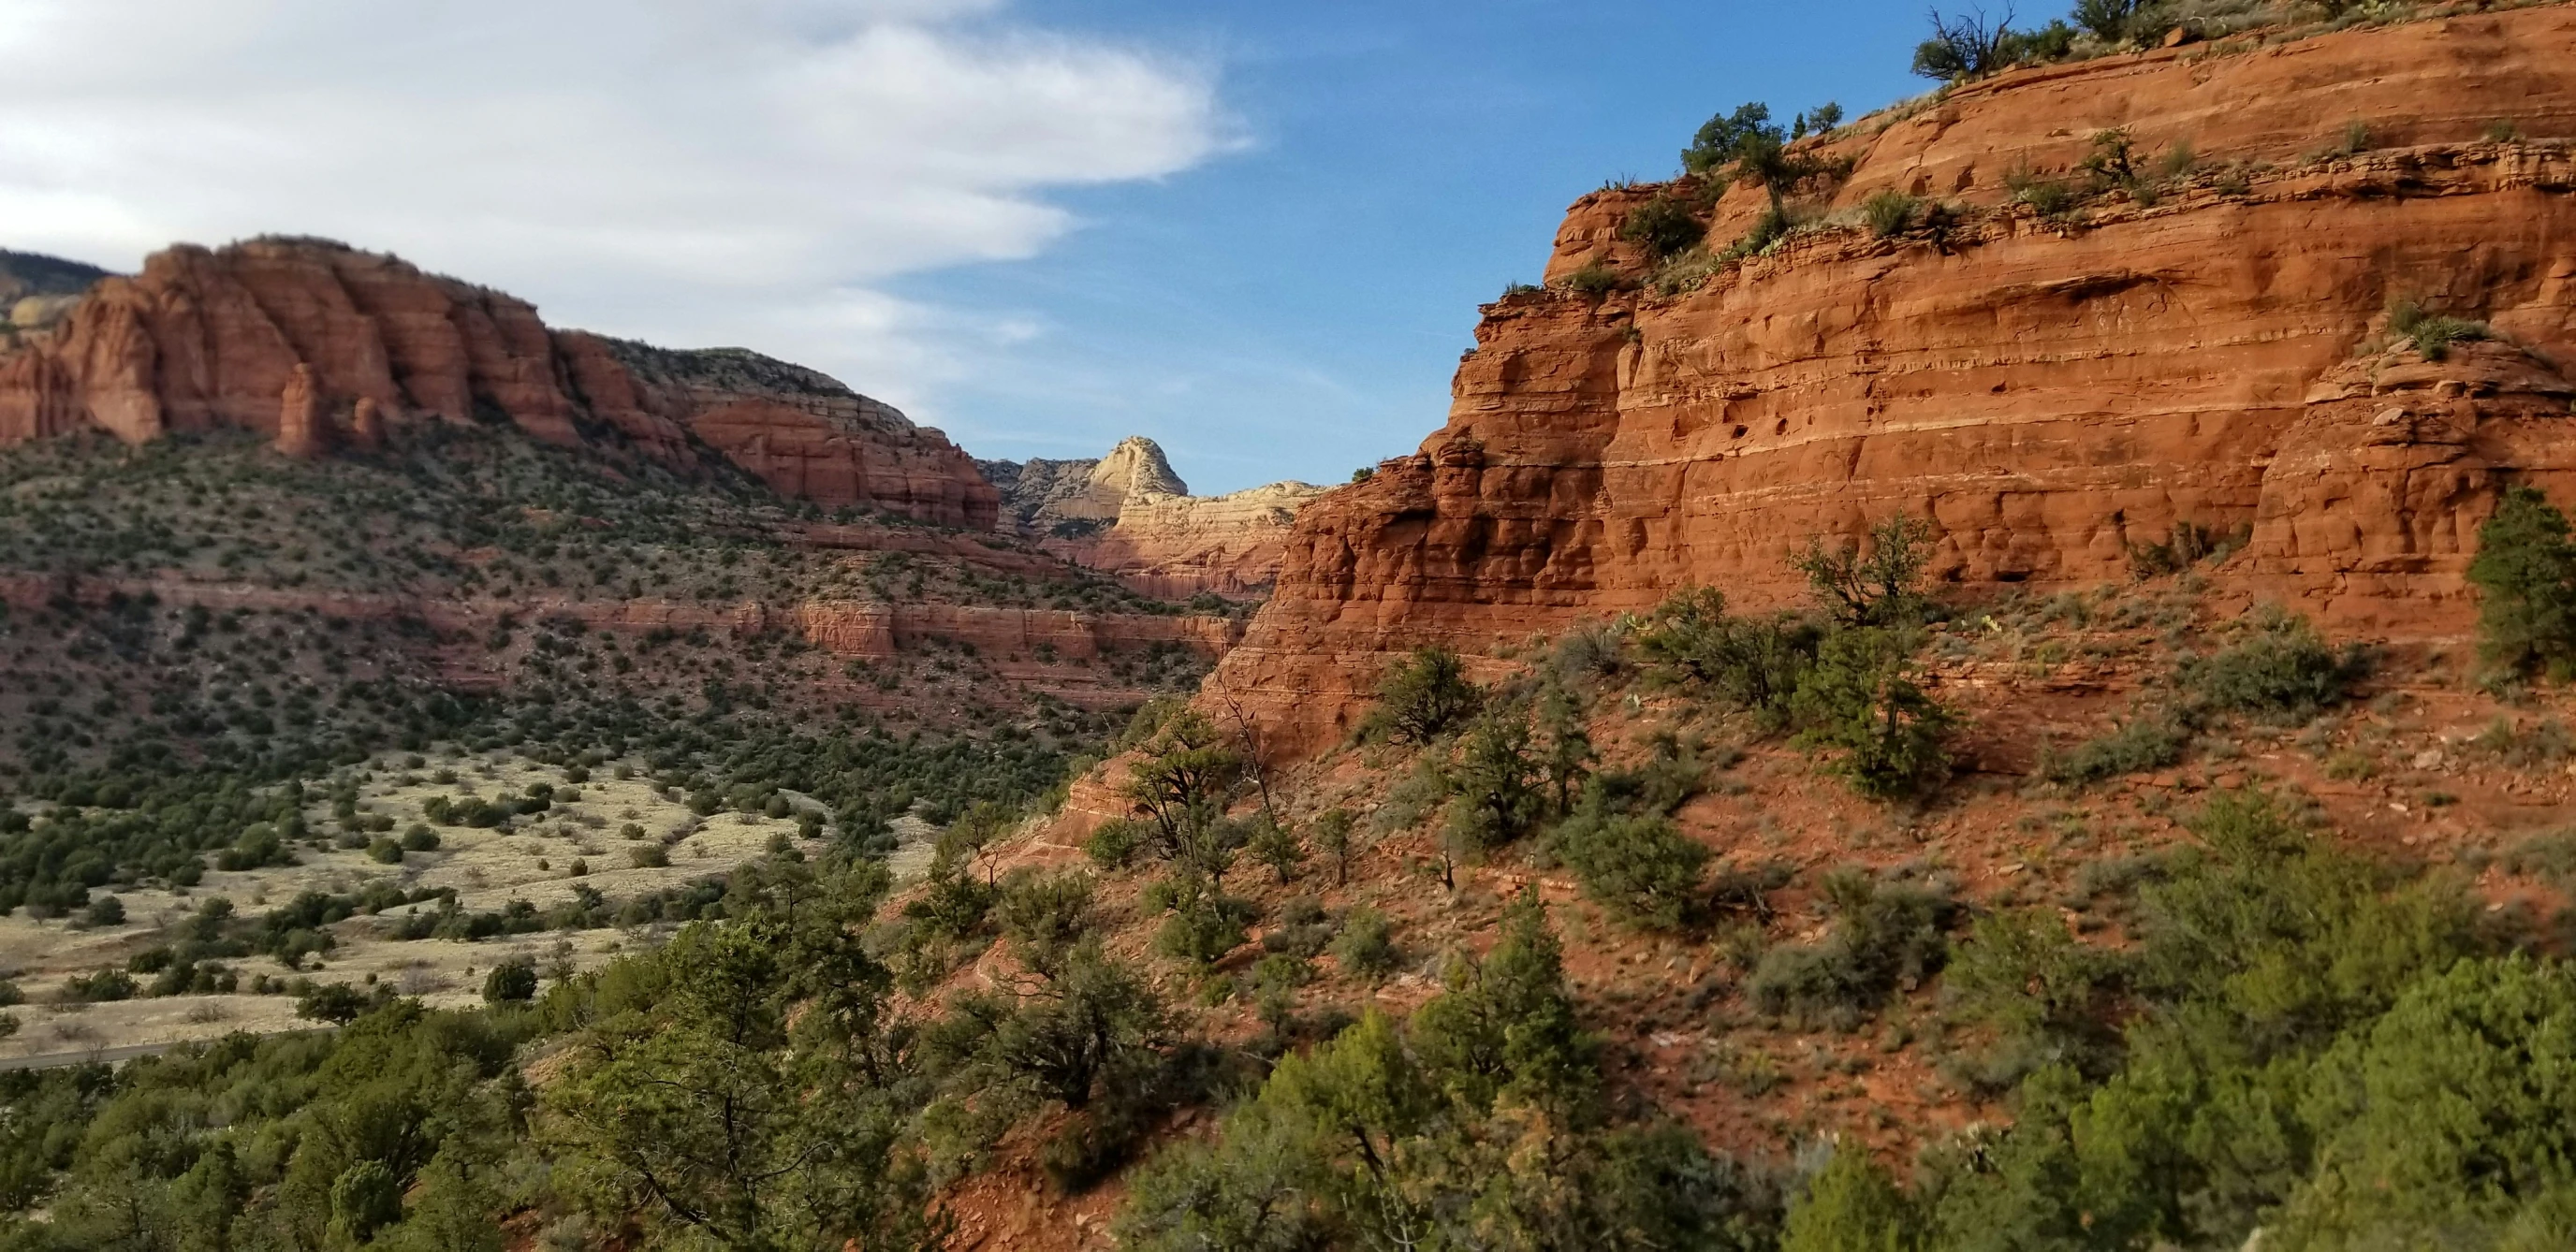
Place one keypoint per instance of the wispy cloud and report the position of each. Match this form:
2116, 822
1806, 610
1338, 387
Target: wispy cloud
694, 171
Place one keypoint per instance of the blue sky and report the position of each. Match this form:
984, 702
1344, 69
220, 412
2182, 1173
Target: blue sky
1295, 308
1255, 232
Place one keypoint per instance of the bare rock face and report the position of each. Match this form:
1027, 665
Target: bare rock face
1066, 499
2050, 394
213, 338
1129, 515
299, 416
1176, 546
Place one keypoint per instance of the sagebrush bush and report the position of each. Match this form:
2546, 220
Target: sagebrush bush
2283, 672
1365, 948
1638, 867
1890, 213
1886, 938
1595, 280
2143, 743
2434, 333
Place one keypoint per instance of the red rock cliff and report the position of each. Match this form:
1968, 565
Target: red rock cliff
2047, 391
207, 338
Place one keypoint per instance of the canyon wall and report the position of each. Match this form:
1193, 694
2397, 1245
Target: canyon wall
213, 338
2048, 392
1130, 516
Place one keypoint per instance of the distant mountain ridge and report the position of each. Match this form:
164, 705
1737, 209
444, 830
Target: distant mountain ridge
1130, 515
24, 274
324, 345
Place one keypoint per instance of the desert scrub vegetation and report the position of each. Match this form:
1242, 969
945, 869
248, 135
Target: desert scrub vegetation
1401, 1133
2433, 333
2277, 669
1845, 679
1887, 937
2281, 992
1664, 227
760, 1038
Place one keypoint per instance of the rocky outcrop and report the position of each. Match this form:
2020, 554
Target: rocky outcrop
1068, 499
2048, 392
799, 430
1176, 546
1129, 515
299, 416
211, 338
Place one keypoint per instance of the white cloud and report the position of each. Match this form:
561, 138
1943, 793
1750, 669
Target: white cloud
695, 171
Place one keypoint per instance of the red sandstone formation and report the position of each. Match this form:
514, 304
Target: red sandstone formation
2048, 393
299, 416
208, 338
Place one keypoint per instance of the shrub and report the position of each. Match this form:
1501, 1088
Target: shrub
1115, 844
2142, 743
1366, 946
1662, 226
649, 856
100, 987
1727, 136
1423, 696
1886, 938
2525, 571
1961, 47
365, 1197
1754, 665
2020, 972
1595, 280
2283, 672
1639, 868
1047, 914
1205, 923
337, 1003
1494, 791
2434, 333
1851, 1205
2186, 545
2108, 20
1861, 701
420, 838
1278, 847
385, 851
2048, 197
1879, 583
510, 982
1890, 213
2447, 1114
105, 911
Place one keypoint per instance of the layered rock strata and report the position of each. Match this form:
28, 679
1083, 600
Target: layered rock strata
1129, 515
213, 338
2050, 393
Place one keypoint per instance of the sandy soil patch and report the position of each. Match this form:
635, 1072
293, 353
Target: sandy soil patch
598, 826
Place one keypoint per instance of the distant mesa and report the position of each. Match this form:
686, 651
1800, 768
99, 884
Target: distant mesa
1129, 515
207, 339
